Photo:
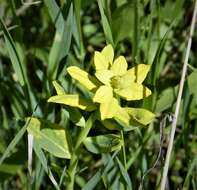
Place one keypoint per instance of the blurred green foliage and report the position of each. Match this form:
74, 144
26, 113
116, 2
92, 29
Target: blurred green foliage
39, 41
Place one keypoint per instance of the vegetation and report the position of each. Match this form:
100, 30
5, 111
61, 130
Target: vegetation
113, 70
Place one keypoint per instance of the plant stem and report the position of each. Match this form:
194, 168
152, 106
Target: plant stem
75, 155
170, 146
123, 150
72, 172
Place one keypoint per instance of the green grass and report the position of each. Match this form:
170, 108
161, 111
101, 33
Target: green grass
39, 41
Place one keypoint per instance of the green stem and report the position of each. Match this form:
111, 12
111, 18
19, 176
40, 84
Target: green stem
72, 172
123, 150
123, 157
75, 155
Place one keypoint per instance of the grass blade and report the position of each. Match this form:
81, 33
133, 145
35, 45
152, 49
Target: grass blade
17, 65
106, 25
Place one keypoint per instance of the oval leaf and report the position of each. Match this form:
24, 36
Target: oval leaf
103, 143
50, 137
140, 116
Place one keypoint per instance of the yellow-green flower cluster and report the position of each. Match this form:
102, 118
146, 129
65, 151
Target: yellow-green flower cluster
112, 80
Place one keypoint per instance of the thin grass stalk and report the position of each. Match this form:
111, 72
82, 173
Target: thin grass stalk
174, 123
75, 155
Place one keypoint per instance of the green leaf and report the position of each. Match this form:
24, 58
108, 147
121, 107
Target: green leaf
63, 35
73, 100
103, 143
14, 141
14, 55
140, 72
119, 66
141, 116
44, 163
124, 17
192, 78
76, 117
83, 77
135, 91
106, 24
91, 184
50, 137
166, 99
103, 94
124, 174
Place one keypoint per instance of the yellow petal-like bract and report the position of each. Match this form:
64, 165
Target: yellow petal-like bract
103, 94
140, 72
58, 88
100, 61
83, 77
108, 52
74, 101
108, 109
134, 92
119, 66
104, 76
141, 116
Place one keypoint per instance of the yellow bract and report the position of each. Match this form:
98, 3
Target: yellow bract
83, 77
103, 94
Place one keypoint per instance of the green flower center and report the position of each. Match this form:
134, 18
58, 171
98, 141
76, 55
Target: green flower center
116, 82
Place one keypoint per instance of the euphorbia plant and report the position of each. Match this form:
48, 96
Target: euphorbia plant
111, 82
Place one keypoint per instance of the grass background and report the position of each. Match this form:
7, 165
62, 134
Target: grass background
39, 41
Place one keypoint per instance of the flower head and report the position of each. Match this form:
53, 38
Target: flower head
112, 80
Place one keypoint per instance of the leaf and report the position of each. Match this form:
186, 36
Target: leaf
141, 116
14, 141
140, 72
134, 92
75, 116
192, 78
73, 100
106, 24
122, 115
83, 77
166, 99
119, 66
44, 163
108, 53
103, 143
63, 35
14, 55
103, 94
50, 137
124, 174
108, 109
91, 184
124, 17
84, 132
101, 62
58, 88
